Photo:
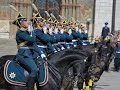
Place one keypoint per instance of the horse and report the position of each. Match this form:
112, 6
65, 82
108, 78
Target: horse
95, 64
87, 52
82, 52
103, 55
55, 64
3, 59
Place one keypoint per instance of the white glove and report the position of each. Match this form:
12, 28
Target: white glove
79, 30
50, 31
30, 29
43, 56
76, 28
86, 31
45, 29
62, 48
75, 45
61, 31
69, 31
56, 30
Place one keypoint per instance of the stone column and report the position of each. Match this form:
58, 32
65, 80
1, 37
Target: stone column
67, 12
74, 9
78, 10
70, 9
63, 8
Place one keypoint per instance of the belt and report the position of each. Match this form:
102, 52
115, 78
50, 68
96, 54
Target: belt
42, 46
61, 42
85, 40
26, 48
55, 44
69, 43
74, 40
84, 44
22, 44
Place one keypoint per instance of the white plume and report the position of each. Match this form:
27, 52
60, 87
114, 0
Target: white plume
52, 16
47, 13
34, 7
13, 7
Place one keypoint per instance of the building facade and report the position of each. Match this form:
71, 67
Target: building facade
7, 15
107, 11
103, 13
96, 11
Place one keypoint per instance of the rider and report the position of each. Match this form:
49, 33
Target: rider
41, 37
69, 37
77, 37
56, 35
84, 34
61, 43
52, 42
26, 44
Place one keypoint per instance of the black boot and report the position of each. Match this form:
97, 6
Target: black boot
30, 83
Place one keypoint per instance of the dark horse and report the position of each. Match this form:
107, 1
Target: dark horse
99, 57
104, 55
58, 65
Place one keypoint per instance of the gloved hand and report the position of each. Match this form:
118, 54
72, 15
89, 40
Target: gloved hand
62, 48
75, 45
43, 56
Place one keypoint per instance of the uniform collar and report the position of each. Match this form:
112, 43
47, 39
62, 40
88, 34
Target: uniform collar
23, 29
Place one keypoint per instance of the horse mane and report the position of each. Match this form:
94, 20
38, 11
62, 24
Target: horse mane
63, 61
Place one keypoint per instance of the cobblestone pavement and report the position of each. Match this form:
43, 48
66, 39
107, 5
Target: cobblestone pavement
108, 81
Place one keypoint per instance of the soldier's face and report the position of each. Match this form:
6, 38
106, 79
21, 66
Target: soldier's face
41, 24
73, 26
24, 24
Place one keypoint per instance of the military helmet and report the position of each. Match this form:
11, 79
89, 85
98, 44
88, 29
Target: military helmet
69, 22
106, 23
64, 22
118, 40
82, 26
97, 38
50, 20
107, 38
55, 22
19, 19
36, 17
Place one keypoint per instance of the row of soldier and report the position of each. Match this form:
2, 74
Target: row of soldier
47, 37
57, 36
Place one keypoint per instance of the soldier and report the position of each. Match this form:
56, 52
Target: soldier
61, 43
26, 43
42, 38
105, 31
96, 41
51, 46
84, 32
69, 37
57, 35
117, 56
84, 35
77, 37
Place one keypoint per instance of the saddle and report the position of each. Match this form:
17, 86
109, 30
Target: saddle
14, 74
